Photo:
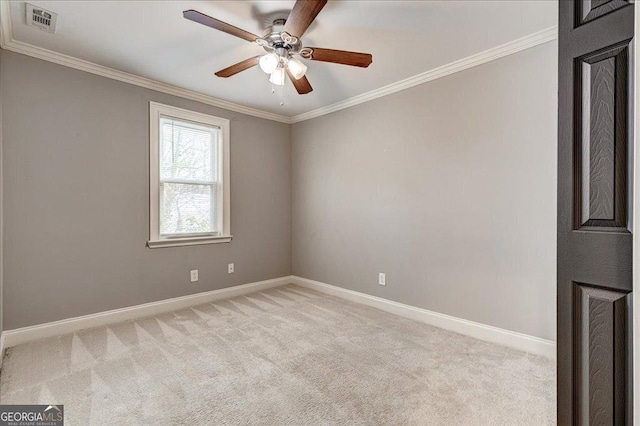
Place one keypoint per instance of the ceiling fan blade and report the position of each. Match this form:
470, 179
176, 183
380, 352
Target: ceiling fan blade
302, 85
302, 15
201, 18
239, 67
344, 57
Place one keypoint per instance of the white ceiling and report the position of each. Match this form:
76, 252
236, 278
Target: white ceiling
152, 39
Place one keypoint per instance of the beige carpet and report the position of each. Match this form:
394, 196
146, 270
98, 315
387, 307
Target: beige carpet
283, 356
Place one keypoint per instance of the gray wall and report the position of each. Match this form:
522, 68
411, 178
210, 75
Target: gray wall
448, 187
76, 191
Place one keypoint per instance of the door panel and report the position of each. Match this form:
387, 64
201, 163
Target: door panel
592, 9
601, 322
594, 233
601, 173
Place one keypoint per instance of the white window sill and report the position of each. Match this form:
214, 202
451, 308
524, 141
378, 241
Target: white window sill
191, 241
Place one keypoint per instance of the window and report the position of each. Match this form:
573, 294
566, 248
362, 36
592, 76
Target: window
189, 178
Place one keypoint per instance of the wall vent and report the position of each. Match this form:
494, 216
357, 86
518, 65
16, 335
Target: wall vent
41, 19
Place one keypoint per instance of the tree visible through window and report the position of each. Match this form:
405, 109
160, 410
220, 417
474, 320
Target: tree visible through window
189, 177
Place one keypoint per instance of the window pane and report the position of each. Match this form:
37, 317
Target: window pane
187, 208
187, 151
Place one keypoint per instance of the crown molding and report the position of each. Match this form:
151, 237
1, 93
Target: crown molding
7, 42
514, 46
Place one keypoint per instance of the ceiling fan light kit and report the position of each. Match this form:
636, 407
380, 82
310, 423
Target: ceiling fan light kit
282, 40
297, 68
275, 62
277, 76
269, 62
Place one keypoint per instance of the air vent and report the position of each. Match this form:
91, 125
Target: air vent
41, 19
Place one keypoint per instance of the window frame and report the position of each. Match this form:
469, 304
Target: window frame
156, 240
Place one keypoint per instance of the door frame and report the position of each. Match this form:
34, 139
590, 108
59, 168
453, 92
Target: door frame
636, 224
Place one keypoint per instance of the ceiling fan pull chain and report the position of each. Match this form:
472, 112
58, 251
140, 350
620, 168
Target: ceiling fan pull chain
282, 89
279, 92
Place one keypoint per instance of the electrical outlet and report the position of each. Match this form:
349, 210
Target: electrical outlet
231, 268
194, 275
382, 278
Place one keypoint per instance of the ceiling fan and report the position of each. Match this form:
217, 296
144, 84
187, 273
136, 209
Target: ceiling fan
282, 41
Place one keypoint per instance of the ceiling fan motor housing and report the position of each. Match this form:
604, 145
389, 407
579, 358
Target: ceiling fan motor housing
275, 38
277, 26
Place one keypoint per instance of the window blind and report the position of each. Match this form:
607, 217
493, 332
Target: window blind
189, 178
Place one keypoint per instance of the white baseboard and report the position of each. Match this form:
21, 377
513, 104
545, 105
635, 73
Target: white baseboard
27, 334
488, 333
523, 342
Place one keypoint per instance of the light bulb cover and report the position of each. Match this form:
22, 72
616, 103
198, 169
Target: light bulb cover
269, 62
297, 68
277, 76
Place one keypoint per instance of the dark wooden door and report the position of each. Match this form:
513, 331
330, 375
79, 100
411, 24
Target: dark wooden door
594, 211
